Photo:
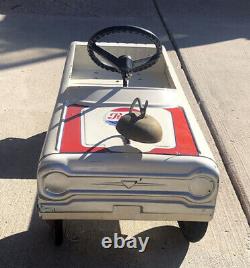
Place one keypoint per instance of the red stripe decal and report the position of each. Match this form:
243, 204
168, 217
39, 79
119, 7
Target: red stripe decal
185, 144
71, 139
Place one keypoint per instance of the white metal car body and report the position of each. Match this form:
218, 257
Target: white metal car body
87, 172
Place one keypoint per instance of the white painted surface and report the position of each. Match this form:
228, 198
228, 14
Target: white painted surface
25, 240
94, 129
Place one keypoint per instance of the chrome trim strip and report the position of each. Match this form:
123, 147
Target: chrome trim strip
128, 192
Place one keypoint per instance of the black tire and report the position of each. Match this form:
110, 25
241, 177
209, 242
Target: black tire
58, 232
193, 231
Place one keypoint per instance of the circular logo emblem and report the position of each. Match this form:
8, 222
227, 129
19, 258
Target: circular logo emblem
113, 116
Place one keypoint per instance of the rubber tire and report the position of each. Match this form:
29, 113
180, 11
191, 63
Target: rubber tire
58, 232
193, 231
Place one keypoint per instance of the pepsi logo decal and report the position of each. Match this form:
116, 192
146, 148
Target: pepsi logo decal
113, 116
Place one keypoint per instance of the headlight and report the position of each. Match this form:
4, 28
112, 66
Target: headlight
56, 183
201, 186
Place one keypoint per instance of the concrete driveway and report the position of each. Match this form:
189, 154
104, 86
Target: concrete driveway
212, 41
32, 54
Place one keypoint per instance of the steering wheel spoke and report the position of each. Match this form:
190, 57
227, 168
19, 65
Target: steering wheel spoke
139, 62
106, 55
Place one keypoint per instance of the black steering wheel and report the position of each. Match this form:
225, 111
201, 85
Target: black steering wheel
123, 64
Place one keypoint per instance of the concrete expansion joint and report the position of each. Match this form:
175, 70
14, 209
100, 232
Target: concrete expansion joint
231, 171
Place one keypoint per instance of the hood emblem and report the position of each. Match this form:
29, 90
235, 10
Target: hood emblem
128, 184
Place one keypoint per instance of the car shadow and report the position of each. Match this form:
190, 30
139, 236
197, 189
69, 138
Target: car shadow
82, 247
19, 157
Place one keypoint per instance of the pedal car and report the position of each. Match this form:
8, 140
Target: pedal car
123, 142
